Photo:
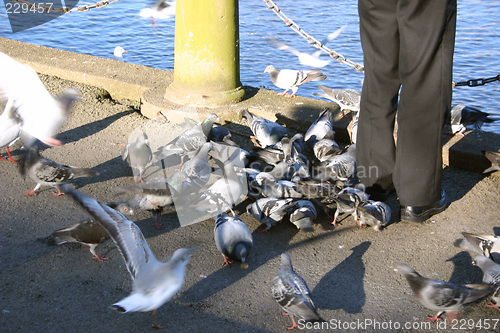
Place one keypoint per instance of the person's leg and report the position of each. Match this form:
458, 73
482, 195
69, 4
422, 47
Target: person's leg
375, 148
427, 37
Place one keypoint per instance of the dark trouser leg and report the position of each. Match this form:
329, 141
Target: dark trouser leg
427, 31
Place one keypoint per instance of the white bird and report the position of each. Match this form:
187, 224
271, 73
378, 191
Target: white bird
309, 59
154, 282
291, 79
162, 9
118, 52
10, 127
41, 114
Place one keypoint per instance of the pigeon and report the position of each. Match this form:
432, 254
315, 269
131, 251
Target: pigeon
41, 114
375, 214
49, 173
486, 245
270, 211
233, 239
321, 128
347, 201
352, 128
494, 157
290, 79
161, 9
340, 167
154, 194
325, 149
439, 295
306, 59
491, 276
313, 189
303, 215
267, 132
221, 134
118, 52
190, 141
10, 128
88, 232
347, 99
153, 282
138, 154
463, 116
291, 292
278, 189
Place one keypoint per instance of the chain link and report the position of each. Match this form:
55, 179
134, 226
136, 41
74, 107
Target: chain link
311, 40
64, 10
476, 82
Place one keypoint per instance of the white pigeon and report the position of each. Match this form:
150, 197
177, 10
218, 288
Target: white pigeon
309, 59
41, 114
290, 79
491, 275
347, 99
154, 282
118, 52
233, 239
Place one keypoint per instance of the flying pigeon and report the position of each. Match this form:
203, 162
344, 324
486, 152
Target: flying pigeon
233, 239
441, 296
486, 245
303, 215
190, 141
494, 157
463, 116
138, 154
325, 149
154, 195
291, 79
153, 282
306, 59
41, 114
88, 232
347, 99
49, 173
270, 211
374, 214
491, 276
291, 292
267, 132
10, 128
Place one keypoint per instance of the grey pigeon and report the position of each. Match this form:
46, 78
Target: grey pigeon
233, 239
153, 282
138, 154
278, 189
486, 245
270, 211
41, 114
463, 116
347, 201
154, 195
325, 149
290, 79
340, 167
441, 296
190, 141
88, 232
10, 127
303, 215
298, 163
267, 132
375, 214
321, 128
313, 189
491, 276
49, 173
494, 157
221, 134
352, 128
347, 99
291, 292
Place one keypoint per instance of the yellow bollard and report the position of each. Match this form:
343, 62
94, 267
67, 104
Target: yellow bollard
206, 60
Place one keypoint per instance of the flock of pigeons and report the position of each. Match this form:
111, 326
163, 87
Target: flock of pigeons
287, 176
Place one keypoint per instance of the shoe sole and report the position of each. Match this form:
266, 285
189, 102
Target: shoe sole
423, 217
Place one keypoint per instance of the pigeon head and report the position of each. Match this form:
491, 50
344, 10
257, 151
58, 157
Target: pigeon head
481, 261
270, 69
406, 271
123, 207
286, 262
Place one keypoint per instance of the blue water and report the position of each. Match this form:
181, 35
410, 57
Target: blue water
98, 31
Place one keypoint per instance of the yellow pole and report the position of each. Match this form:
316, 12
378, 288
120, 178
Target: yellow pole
206, 60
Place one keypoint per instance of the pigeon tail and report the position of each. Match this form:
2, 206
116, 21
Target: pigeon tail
83, 172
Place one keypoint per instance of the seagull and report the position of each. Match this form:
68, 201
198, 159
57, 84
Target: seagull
118, 52
153, 282
267, 132
138, 154
494, 158
270, 211
162, 9
486, 245
88, 232
347, 99
10, 128
291, 79
233, 239
463, 116
439, 295
49, 173
291, 292
491, 276
309, 59
41, 114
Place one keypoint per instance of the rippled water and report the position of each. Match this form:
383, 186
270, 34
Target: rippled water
98, 31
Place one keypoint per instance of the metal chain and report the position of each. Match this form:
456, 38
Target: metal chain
476, 82
49, 9
311, 40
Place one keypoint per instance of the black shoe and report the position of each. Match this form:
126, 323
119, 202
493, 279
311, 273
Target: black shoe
422, 213
377, 193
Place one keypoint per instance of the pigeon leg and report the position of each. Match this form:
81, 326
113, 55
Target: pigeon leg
155, 324
98, 258
10, 156
58, 193
435, 318
226, 262
3, 159
32, 192
493, 305
294, 324
157, 224
335, 216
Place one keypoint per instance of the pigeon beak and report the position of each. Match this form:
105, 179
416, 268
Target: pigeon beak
474, 262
